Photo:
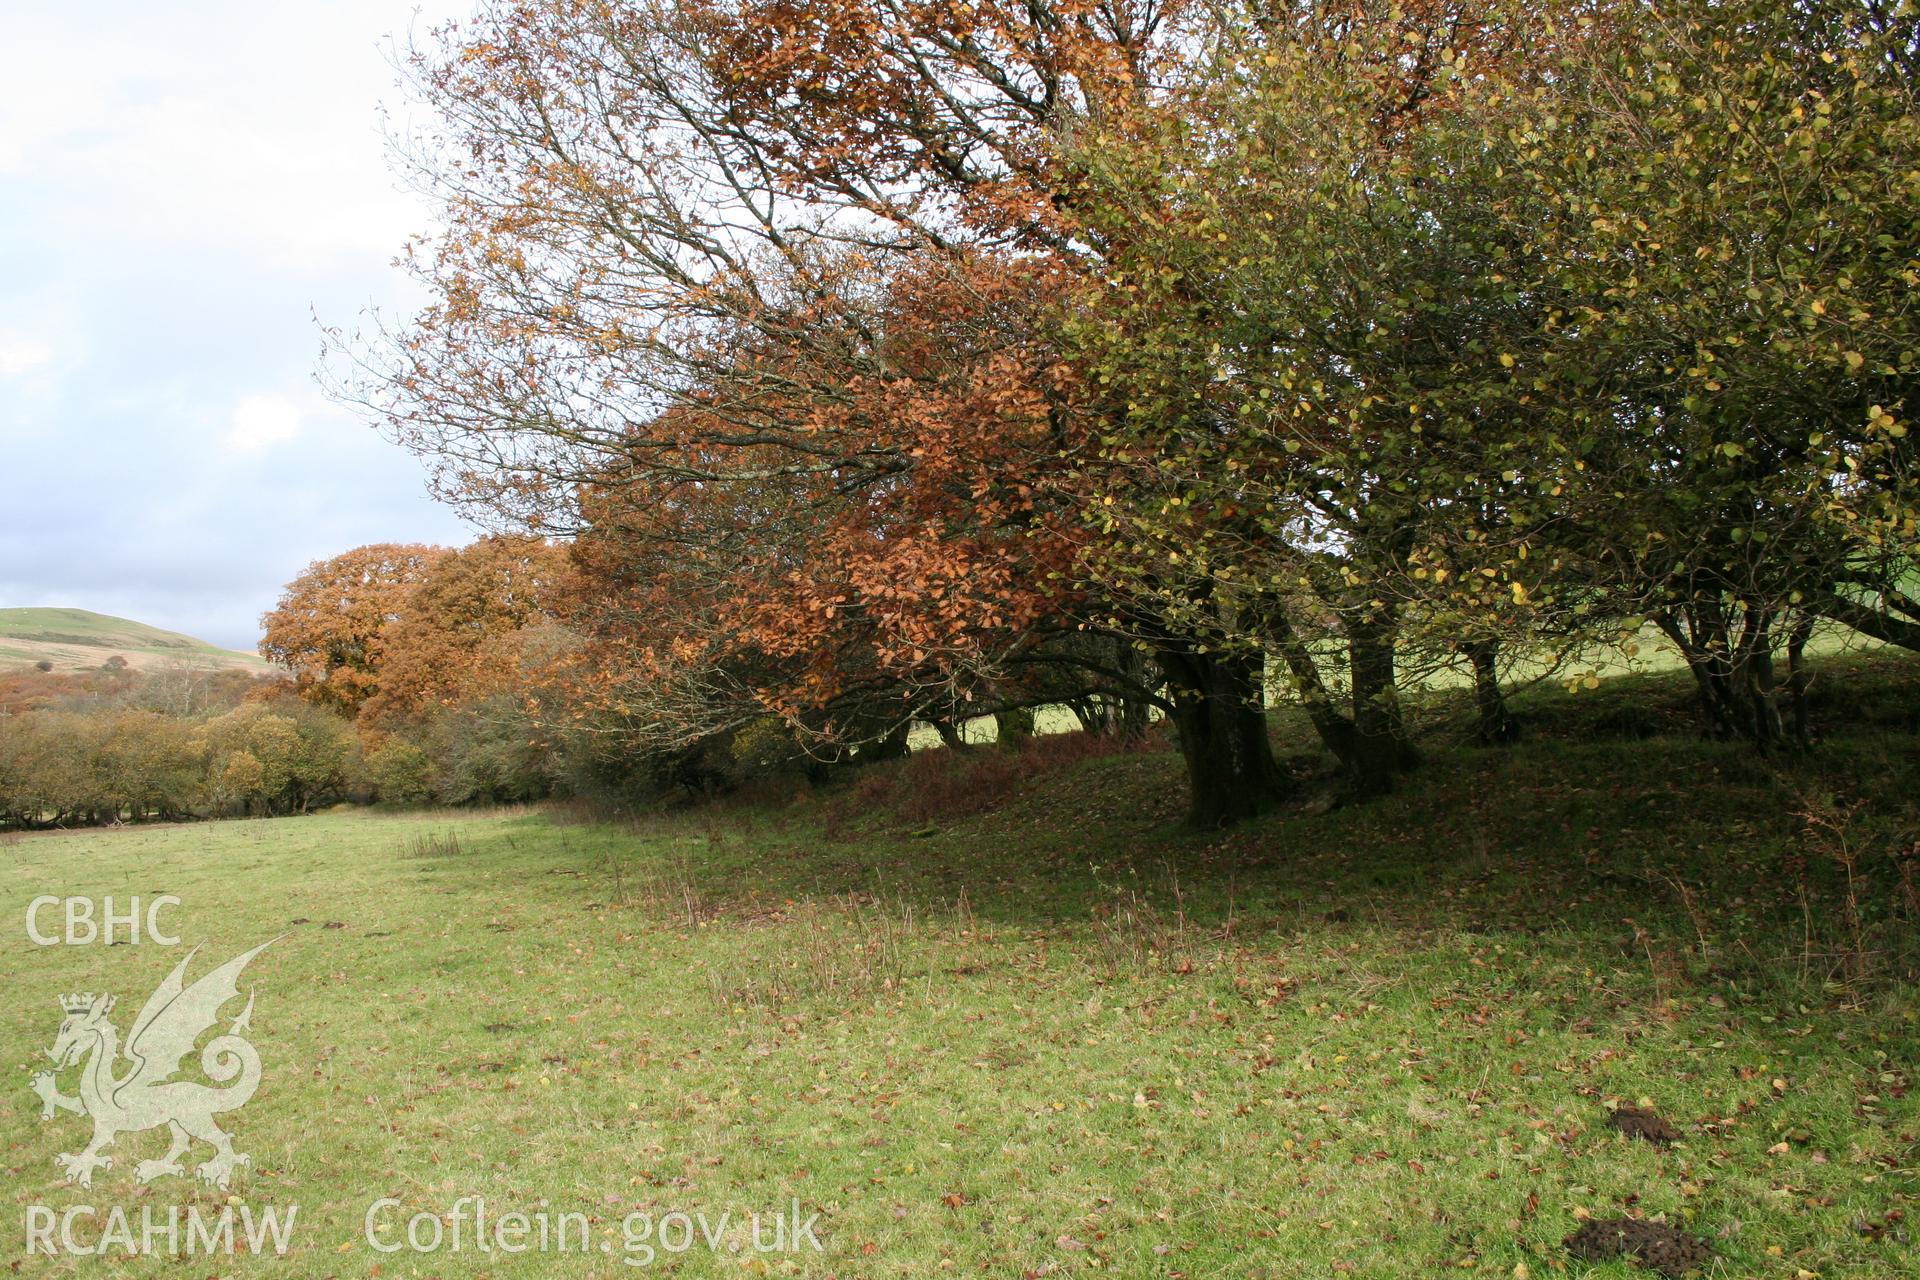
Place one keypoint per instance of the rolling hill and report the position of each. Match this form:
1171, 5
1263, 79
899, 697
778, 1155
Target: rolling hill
76, 639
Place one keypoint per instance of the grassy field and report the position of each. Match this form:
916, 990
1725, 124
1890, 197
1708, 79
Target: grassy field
1018, 1024
75, 640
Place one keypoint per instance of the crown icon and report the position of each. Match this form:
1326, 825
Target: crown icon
81, 1002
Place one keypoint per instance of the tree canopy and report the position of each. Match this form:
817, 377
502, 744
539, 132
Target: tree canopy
886, 362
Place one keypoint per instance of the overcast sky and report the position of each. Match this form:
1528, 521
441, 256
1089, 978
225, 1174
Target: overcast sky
183, 187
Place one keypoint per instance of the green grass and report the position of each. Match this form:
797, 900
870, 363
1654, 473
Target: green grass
77, 638
1061, 1037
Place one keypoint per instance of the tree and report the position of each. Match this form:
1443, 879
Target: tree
690, 257
400, 772
1616, 326
1300, 347
50, 769
450, 636
267, 758
848, 602
146, 764
1728, 203
327, 627
873, 350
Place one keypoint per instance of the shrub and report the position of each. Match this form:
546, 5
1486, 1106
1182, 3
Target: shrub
300, 756
400, 773
487, 752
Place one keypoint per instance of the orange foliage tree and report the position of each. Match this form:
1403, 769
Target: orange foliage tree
924, 581
757, 296
452, 636
327, 627
815, 446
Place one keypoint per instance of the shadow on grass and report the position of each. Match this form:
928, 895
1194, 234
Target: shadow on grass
1702, 861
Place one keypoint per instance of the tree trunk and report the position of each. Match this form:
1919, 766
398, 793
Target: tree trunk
1335, 730
1219, 713
1734, 672
1090, 712
1381, 747
1756, 669
1799, 679
1497, 728
1013, 728
949, 734
891, 747
1703, 644
1371, 745
1130, 717
1107, 713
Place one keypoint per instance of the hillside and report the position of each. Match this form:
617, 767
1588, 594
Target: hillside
76, 639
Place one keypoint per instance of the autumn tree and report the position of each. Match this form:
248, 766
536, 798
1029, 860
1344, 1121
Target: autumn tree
850, 604
806, 477
146, 765
451, 632
1300, 347
680, 238
327, 627
872, 349
1613, 330
266, 757
400, 772
70, 767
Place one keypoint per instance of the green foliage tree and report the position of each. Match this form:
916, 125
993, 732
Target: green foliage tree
267, 758
400, 772
1730, 194
1616, 326
1302, 349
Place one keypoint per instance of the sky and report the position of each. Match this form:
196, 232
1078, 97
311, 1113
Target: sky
188, 190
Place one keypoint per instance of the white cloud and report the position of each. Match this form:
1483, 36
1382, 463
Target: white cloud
186, 187
21, 355
260, 422
241, 132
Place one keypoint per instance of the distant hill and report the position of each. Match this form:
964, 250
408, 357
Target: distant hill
76, 640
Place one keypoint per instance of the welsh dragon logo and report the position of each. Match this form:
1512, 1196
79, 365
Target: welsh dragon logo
132, 1089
